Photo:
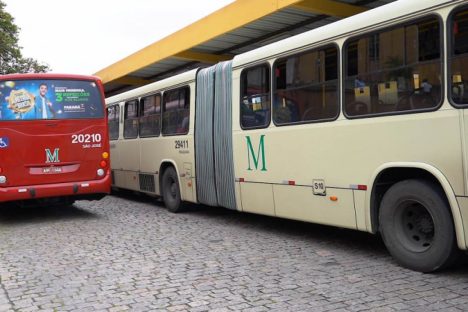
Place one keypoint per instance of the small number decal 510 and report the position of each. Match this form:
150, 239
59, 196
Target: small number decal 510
319, 188
86, 138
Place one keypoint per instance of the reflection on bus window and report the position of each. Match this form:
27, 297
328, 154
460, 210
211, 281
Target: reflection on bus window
458, 62
131, 120
306, 87
176, 111
255, 97
150, 117
113, 113
394, 70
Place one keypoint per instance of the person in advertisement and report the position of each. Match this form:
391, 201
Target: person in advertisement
43, 106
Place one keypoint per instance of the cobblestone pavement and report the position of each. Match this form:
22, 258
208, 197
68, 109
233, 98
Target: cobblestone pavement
128, 253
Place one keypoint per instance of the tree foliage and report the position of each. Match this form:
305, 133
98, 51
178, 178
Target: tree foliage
11, 59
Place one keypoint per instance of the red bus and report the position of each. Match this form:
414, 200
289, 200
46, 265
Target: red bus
54, 146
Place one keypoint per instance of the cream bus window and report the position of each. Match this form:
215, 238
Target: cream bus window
131, 120
150, 117
176, 111
255, 97
113, 113
394, 70
306, 87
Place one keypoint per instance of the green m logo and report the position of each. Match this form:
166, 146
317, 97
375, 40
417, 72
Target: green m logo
260, 153
52, 157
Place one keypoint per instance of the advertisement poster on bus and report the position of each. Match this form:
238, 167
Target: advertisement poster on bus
49, 99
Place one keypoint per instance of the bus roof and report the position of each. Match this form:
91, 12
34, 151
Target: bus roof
155, 86
47, 76
368, 20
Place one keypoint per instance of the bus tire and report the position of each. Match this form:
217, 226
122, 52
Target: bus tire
417, 227
171, 190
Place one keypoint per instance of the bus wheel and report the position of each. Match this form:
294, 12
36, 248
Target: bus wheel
171, 191
417, 227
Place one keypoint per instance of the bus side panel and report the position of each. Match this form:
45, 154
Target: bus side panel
150, 159
360, 208
114, 159
463, 203
289, 160
299, 203
258, 198
130, 162
256, 192
343, 154
179, 149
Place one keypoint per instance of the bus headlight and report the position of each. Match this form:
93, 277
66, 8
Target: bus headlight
100, 172
2, 179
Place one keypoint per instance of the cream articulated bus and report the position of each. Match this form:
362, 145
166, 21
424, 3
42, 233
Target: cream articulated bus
360, 124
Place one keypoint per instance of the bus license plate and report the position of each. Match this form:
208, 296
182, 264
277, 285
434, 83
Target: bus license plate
52, 170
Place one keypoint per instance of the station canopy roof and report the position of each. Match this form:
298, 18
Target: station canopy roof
239, 27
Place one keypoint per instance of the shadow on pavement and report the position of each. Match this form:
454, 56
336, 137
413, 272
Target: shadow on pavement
12, 214
362, 242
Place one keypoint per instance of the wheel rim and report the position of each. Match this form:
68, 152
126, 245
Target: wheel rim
172, 188
415, 226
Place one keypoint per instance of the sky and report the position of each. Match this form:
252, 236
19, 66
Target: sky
85, 36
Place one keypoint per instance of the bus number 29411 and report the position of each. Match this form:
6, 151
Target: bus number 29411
181, 144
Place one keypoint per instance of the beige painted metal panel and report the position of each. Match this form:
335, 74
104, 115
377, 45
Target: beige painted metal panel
348, 152
299, 203
463, 203
360, 208
129, 154
187, 182
131, 180
119, 178
257, 198
238, 196
115, 155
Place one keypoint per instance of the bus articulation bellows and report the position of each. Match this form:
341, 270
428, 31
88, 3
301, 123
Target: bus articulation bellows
360, 124
54, 145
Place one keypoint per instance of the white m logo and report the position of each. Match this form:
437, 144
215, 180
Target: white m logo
52, 157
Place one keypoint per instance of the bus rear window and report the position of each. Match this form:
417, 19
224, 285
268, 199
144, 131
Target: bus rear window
49, 99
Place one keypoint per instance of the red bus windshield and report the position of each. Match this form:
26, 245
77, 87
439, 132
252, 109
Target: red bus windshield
49, 99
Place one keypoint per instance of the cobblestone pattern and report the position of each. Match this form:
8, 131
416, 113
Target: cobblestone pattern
129, 254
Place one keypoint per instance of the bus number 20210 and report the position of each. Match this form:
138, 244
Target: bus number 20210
86, 138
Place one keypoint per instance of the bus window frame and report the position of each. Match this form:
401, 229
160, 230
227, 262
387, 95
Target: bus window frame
118, 120
163, 109
448, 33
404, 23
126, 102
141, 114
338, 82
268, 65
